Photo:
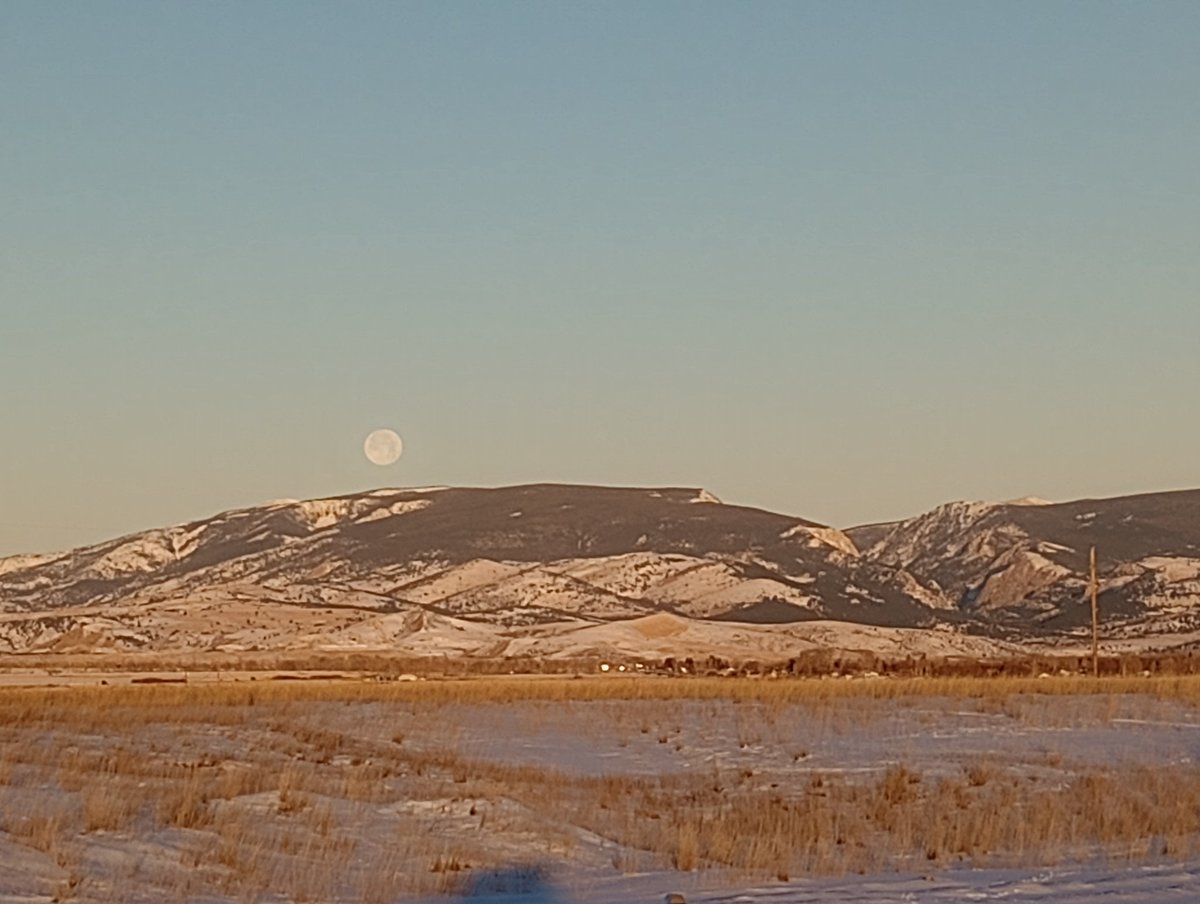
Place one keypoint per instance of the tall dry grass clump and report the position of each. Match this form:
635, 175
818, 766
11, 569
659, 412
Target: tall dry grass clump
108, 806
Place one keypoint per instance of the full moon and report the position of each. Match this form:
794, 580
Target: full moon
383, 447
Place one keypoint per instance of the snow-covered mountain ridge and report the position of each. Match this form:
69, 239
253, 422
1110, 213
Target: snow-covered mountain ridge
1024, 565
489, 571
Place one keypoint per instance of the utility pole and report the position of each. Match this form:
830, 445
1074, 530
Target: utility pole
1095, 588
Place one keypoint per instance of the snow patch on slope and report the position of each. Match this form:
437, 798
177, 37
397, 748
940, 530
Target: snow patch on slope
713, 588
1021, 577
21, 562
406, 491
416, 633
947, 531
318, 514
1172, 569
459, 579
829, 536
403, 507
322, 513
631, 574
909, 539
542, 594
147, 552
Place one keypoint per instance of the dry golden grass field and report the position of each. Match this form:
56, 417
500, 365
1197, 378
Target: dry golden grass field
374, 791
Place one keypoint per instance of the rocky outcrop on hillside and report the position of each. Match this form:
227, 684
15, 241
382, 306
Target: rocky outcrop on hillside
1024, 565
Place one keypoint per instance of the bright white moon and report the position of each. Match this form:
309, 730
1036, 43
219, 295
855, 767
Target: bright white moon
383, 447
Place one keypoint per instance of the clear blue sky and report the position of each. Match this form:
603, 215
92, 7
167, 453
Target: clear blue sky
847, 260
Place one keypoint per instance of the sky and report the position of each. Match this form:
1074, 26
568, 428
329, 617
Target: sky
847, 260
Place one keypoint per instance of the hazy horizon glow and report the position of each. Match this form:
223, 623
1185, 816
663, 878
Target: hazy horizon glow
846, 260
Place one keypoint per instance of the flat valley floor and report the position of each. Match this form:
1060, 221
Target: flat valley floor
596, 790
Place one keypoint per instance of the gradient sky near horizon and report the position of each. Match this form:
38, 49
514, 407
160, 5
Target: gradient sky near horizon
847, 260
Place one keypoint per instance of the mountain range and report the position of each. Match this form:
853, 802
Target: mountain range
555, 570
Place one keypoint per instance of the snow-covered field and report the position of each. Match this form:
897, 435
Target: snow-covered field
438, 792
